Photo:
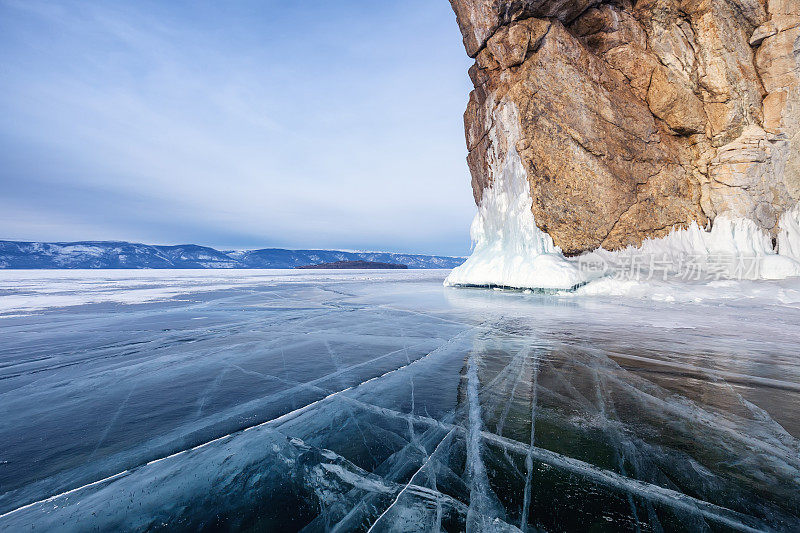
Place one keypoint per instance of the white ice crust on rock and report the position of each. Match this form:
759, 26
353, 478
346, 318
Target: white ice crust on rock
789, 234
509, 250
734, 248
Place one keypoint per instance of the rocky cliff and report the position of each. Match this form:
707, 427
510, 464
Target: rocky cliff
631, 117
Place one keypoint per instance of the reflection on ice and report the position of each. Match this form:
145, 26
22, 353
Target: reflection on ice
402, 406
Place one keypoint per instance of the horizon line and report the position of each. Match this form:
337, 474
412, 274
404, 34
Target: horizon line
223, 249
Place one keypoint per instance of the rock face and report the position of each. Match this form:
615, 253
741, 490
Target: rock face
637, 116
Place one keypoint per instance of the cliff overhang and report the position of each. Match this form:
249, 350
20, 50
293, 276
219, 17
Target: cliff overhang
636, 118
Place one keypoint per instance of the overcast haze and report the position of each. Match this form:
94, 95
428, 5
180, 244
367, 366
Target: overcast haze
301, 124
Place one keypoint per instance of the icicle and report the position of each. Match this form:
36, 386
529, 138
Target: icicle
509, 250
789, 234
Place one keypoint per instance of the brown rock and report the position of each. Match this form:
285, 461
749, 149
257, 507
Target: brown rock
479, 19
509, 45
636, 64
582, 183
635, 117
675, 103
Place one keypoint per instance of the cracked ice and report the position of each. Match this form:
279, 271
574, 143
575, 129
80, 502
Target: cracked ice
396, 404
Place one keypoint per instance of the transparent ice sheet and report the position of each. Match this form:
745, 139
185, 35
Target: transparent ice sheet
396, 404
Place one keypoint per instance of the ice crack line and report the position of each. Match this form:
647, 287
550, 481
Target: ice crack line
480, 491
643, 489
413, 477
282, 418
526, 502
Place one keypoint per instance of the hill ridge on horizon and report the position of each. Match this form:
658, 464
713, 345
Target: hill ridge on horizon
91, 254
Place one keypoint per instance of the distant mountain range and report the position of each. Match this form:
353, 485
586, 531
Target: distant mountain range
112, 254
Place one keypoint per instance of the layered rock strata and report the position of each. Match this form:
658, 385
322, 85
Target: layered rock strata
635, 118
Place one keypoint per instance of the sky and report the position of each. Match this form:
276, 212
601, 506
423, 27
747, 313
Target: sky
235, 124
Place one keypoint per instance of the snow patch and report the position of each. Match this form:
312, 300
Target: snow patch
28, 291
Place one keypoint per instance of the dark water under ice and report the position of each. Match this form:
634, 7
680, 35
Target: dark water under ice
396, 404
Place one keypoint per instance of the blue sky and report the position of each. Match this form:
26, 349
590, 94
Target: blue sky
235, 124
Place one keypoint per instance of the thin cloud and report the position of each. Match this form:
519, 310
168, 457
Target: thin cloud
255, 124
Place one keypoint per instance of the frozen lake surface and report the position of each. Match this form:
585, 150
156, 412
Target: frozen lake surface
282, 400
